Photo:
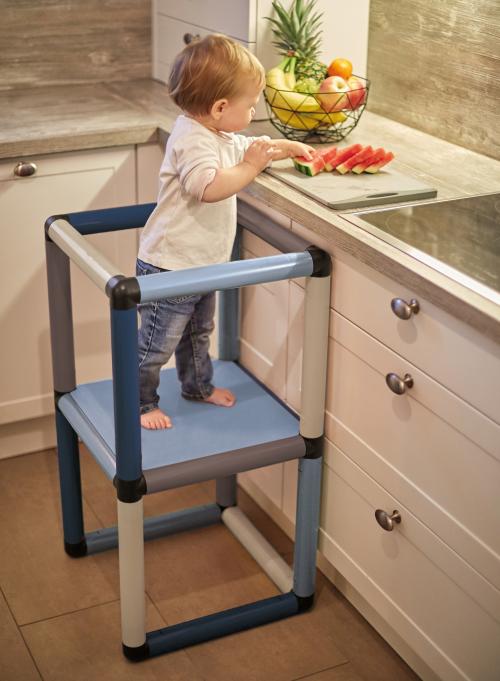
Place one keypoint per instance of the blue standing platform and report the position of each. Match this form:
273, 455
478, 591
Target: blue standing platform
207, 442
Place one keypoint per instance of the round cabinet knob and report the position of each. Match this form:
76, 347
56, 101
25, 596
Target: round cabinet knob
23, 169
404, 310
189, 37
387, 521
397, 384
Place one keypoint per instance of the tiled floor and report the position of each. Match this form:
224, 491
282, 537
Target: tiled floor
60, 620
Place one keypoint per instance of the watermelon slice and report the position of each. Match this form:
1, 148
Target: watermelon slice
309, 167
328, 158
349, 163
377, 156
342, 155
375, 167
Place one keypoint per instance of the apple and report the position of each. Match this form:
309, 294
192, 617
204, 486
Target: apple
331, 94
357, 94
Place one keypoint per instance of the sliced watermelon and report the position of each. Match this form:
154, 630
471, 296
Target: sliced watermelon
349, 163
309, 167
342, 155
375, 167
328, 158
377, 156
325, 152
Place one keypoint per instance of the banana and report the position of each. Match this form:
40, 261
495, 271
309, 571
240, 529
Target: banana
308, 121
293, 101
296, 109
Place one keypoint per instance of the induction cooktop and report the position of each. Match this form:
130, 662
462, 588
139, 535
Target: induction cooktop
461, 235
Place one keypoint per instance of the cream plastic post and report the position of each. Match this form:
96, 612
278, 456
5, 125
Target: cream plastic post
315, 354
80, 251
131, 561
259, 548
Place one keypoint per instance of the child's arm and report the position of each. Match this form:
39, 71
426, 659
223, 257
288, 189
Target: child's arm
229, 181
289, 149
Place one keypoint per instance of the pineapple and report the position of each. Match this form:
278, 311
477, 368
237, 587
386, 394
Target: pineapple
297, 34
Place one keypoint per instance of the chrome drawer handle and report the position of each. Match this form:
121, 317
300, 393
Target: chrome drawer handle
397, 384
387, 521
25, 169
189, 37
404, 310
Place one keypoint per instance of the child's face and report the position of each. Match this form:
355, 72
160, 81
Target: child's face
239, 111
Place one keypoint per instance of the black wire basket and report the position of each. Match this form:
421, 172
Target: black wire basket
317, 117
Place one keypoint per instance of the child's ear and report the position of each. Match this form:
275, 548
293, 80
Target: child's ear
218, 108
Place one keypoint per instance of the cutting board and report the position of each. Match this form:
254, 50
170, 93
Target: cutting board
342, 192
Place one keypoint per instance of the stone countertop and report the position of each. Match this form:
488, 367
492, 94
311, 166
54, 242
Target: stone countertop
69, 118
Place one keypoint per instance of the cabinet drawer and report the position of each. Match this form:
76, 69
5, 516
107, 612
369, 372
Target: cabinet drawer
232, 17
415, 581
415, 444
445, 348
168, 42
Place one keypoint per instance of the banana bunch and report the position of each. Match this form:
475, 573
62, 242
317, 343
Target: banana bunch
296, 109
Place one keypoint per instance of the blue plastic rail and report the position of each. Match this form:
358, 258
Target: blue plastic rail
224, 276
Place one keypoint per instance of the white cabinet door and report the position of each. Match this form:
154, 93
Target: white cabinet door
63, 183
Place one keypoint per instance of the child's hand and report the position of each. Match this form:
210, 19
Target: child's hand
259, 153
300, 149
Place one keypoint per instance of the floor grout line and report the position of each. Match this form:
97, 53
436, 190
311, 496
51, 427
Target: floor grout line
21, 634
69, 612
320, 671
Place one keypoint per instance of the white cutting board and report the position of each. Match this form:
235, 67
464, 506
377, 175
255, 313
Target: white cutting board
342, 192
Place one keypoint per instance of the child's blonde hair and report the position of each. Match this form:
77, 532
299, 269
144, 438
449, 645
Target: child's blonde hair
209, 69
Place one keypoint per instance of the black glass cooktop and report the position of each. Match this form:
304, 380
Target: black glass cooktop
464, 234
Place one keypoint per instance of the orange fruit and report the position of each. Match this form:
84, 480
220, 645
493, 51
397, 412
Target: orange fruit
340, 67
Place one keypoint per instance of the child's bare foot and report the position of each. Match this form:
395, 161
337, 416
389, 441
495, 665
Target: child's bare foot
222, 397
155, 420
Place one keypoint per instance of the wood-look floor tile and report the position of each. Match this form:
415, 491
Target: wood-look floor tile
196, 560
100, 494
213, 572
37, 577
16, 663
86, 646
370, 657
343, 672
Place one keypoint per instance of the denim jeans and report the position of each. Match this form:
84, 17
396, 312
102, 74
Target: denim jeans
182, 325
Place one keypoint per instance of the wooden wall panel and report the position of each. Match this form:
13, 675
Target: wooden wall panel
49, 42
435, 65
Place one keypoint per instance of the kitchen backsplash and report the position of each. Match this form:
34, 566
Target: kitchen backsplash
436, 66
53, 42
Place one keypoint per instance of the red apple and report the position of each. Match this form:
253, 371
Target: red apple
331, 95
357, 94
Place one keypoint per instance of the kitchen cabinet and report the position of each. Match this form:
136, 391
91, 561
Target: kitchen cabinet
65, 182
431, 453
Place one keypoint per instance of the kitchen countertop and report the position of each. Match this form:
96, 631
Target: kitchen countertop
68, 118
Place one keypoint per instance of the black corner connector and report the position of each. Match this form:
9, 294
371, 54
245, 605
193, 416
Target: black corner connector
314, 447
76, 550
305, 602
49, 221
130, 491
123, 292
136, 653
322, 264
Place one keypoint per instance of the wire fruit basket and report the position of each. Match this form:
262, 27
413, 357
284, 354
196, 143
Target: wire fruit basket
316, 117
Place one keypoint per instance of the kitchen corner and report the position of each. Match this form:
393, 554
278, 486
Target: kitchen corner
412, 419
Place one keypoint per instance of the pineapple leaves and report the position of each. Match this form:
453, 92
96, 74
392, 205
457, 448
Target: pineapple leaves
298, 29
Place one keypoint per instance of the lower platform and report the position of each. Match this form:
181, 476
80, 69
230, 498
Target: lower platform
205, 442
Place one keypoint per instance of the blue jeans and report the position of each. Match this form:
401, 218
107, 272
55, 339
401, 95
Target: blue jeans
182, 325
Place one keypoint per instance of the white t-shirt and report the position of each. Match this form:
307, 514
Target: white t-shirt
184, 231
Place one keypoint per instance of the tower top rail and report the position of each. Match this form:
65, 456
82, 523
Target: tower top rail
67, 232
